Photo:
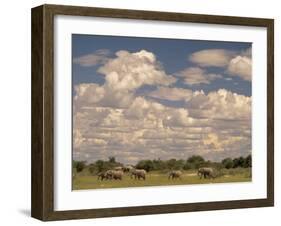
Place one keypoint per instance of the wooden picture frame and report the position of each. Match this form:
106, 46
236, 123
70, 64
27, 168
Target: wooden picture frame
42, 203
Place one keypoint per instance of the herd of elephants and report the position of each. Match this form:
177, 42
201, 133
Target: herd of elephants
140, 174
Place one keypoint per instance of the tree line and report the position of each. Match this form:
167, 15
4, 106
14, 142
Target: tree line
193, 162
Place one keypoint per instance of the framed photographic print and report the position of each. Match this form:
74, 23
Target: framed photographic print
141, 112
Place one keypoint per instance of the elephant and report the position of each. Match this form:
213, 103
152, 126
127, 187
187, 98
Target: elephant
206, 172
101, 176
138, 174
175, 174
104, 175
115, 174
127, 169
118, 168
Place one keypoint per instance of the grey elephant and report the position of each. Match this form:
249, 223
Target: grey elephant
206, 172
138, 174
115, 174
175, 174
118, 168
102, 176
107, 175
127, 169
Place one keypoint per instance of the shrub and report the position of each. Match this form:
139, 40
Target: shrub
145, 164
79, 165
195, 161
227, 163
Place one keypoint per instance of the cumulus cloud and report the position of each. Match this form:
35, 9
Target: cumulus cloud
98, 57
211, 57
220, 143
123, 76
221, 104
173, 94
235, 63
217, 122
129, 71
196, 75
241, 66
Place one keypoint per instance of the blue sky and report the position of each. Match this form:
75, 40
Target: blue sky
172, 53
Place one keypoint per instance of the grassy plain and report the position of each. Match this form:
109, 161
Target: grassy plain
158, 178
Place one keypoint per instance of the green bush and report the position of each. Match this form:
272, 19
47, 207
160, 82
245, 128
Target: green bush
145, 164
227, 163
79, 166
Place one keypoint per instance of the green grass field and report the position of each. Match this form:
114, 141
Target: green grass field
86, 181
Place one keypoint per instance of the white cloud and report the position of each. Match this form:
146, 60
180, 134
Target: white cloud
221, 104
101, 95
220, 143
123, 75
218, 122
177, 118
129, 71
172, 94
241, 66
89, 92
89, 60
196, 75
236, 63
211, 57
139, 108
